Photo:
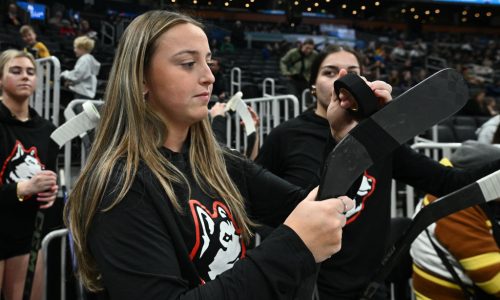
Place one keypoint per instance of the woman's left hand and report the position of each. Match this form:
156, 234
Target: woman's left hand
341, 121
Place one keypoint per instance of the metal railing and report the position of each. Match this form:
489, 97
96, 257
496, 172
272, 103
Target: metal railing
45, 99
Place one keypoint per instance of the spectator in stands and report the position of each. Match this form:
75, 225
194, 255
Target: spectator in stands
67, 29
36, 48
485, 133
82, 80
161, 209
398, 53
27, 176
407, 80
85, 29
238, 35
493, 89
295, 65
12, 17
56, 20
480, 105
466, 243
394, 78
220, 85
227, 46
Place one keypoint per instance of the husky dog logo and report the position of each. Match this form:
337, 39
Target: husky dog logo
21, 164
218, 240
365, 190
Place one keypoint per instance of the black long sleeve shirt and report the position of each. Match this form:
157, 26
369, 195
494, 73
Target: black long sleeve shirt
144, 249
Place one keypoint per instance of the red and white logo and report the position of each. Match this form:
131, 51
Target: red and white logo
218, 243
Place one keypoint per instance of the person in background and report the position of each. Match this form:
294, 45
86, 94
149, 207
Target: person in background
227, 46
12, 17
479, 105
85, 29
466, 243
294, 150
295, 65
162, 210
486, 133
36, 48
27, 172
238, 35
219, 90
82, 80
345, 276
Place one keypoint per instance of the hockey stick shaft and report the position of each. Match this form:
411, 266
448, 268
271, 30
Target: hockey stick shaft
35, 246
484, 190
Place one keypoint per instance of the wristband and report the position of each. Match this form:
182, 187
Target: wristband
19, 197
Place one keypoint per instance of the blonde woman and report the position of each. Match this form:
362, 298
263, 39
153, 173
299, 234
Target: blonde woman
27, 177
161, 211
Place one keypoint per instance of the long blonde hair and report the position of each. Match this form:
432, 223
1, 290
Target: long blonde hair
131, 131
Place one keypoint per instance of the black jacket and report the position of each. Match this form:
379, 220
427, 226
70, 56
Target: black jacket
144, 249
25, 148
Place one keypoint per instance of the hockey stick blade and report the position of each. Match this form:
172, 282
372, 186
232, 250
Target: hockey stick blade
426, 104
483, 190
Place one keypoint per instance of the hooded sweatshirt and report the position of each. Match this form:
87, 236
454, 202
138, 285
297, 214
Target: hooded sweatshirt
25, 149
84, 76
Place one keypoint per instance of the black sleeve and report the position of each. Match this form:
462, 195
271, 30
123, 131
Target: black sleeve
270, 153
137, 258
430, 176
219, 128
270, 198
52, 157
8, 194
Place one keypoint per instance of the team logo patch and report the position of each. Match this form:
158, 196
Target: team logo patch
218, 243
21, 164
365, 190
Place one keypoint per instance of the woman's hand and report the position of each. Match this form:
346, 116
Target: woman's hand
48, 197
341, 121
218, 110
43, 184
319, 224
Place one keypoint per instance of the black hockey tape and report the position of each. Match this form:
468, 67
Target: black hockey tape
377, 142
366, 101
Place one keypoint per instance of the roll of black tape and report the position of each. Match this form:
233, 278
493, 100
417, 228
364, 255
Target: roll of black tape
366, 101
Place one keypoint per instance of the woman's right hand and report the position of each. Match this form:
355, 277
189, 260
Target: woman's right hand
41, 182
319, 224
218, 109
